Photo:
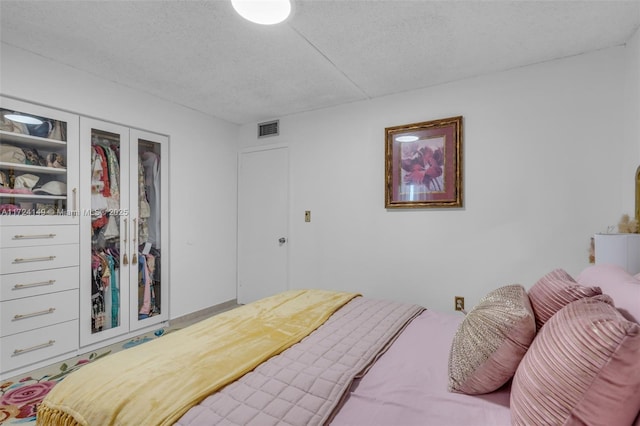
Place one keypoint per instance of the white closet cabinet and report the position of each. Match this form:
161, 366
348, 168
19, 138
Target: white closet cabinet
123, 264
39, 235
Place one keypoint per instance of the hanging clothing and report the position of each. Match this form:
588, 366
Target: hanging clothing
114, 174
151, 164
98, 315
115, 292
105, 241
98, 202
106, 191
151, 265
144, 281
105, 290
144, 209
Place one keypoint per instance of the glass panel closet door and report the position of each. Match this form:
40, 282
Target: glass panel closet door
150, 296
105, 231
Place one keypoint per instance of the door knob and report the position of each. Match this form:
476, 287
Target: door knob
282, 240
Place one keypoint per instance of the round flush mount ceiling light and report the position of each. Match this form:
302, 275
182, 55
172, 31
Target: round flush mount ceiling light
265, 12
406, 138
26, 119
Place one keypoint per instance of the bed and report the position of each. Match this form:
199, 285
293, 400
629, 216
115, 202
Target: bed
564, 351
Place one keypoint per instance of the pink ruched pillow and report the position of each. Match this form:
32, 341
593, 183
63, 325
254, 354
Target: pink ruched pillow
582, 368
491, 341
555, 290
615, 281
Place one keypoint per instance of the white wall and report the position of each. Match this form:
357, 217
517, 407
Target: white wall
632, 89
202, 168
548, 161
549, 151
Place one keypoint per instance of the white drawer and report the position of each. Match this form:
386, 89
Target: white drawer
24, 259
39, 220
20, 315
26, 284
26, 236
33, 346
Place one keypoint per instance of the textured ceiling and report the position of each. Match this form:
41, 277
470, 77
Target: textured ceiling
200, 54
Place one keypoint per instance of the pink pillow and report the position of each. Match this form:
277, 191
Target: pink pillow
555, 290
491, 341
615, 281
582, 368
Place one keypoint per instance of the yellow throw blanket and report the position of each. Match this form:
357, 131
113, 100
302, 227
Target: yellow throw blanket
157, 382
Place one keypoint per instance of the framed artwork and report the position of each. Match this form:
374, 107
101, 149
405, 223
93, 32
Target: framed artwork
423, 164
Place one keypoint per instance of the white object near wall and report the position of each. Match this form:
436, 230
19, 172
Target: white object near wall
619, 249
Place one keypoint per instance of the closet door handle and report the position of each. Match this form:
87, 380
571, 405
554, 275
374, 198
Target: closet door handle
125, 259
75, 193
33, 259
17, 317
38, 284
33, 236
33, 348
134, 256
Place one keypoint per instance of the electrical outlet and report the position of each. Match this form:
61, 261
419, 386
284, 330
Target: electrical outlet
458, 303
307, 215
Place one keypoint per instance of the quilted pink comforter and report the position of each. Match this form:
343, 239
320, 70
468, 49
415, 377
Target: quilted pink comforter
305, 384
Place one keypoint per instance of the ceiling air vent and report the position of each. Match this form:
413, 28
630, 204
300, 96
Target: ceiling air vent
270, 128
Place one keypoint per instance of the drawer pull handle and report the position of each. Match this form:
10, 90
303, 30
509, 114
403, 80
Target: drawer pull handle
17, 317
28, 237
33, 259
38, 284
33, 348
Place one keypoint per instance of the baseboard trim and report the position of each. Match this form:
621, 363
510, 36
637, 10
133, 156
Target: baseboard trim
206, 312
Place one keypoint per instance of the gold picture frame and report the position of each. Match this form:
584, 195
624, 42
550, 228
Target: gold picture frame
423, 164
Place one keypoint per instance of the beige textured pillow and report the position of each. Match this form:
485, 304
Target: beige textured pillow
491, 341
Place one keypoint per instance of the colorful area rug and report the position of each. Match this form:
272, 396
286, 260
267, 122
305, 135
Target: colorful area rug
20, 396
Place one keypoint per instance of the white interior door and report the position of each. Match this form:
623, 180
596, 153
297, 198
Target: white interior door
263, 220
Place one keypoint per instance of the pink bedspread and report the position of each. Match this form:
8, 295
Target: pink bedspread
407, 386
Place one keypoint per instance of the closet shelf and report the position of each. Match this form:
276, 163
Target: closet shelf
32, 169
31, 141
32, 197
